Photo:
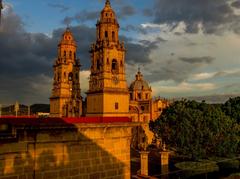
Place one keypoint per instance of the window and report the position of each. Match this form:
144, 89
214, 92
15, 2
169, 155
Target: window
116, 106
59, 76
98, 65
139, 96
70, 54
131, 96
76, 76
74, 55
70, 77
113, 35
142, 108
146, 95
64, 53
114, 65
65, 75
106, 34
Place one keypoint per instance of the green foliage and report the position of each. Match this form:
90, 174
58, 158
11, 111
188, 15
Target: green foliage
198, 130
232, 108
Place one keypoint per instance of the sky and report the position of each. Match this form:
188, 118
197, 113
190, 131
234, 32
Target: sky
185, 48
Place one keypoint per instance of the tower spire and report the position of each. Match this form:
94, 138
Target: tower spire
107, 3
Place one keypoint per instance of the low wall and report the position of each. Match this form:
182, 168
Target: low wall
62, 149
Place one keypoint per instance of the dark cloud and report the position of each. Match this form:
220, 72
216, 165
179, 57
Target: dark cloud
61, 7
148, 12
26, 59
138, 29
126, 11
195, 60
236, 4
215, 16
176, 69
81, 17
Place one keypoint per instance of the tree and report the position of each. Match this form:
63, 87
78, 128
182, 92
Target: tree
232, 108
198, 130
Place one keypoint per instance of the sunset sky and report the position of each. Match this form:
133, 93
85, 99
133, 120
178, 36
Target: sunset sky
184, 47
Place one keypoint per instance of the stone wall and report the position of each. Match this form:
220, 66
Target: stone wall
65, 151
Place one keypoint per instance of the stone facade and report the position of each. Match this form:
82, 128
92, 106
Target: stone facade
66, 100
108, 92
60, 150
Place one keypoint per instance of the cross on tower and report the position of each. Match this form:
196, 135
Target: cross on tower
107, 2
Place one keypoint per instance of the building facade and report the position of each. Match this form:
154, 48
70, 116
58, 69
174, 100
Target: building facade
66, 100
108, 92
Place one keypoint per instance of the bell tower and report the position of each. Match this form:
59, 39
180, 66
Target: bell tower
108, 92
66, 100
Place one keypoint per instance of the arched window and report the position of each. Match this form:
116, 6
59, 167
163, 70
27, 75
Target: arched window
131, 96
114, 65
146, 96
65, 75
70, 54
98, 65
139, 96
70, 76
106, 34
64, 53
59, 76
113, 35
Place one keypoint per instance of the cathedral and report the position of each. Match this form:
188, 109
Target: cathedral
109, 94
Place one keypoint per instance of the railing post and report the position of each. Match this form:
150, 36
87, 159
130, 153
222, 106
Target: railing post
144, 162
164, 160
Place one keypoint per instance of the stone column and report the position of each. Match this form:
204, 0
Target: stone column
164, 162
144, 162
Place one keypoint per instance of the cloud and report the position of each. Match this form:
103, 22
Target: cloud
147, 12
81, 17
84, 81
126, 11
182, 89
28, 57
138, 29
209, 16
61, 7
236, 4
199, 60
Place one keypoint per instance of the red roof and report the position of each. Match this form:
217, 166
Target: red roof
55, 121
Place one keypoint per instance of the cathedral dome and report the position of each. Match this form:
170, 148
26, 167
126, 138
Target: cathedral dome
139, 83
